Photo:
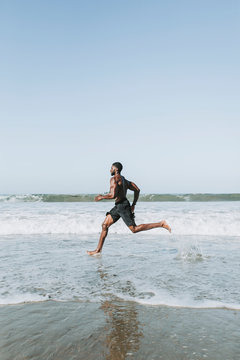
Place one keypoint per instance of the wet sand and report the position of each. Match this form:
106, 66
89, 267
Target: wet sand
115, 330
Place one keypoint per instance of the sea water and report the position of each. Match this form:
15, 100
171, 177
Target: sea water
43, 254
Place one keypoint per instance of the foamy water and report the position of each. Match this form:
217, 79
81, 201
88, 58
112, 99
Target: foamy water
213, 218
43, 254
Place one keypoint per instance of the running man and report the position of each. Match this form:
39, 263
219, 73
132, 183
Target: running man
118, 191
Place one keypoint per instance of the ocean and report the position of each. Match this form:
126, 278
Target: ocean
149, 295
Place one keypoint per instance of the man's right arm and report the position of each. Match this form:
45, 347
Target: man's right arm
111, 194
136, 190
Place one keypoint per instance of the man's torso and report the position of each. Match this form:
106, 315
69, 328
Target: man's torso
121, 189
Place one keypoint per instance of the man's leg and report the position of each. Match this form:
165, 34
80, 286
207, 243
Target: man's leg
144, 227
105, 226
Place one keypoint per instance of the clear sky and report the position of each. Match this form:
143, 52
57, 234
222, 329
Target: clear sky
152, 84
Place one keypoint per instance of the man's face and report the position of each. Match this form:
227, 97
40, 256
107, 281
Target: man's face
113, 170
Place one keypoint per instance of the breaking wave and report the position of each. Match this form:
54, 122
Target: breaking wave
86, 218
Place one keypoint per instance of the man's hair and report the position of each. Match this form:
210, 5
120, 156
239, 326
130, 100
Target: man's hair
118, 165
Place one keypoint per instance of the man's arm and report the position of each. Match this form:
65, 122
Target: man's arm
133, 187
112, 192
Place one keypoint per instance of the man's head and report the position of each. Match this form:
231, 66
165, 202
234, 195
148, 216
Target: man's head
116, 168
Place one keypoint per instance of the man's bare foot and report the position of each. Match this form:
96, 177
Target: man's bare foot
95, 252
166, 226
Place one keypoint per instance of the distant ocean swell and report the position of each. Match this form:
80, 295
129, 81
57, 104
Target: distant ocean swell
143, 197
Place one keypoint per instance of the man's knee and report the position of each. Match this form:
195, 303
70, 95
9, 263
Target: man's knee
105, 227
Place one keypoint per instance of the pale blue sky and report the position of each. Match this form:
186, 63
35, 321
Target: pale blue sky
153, 84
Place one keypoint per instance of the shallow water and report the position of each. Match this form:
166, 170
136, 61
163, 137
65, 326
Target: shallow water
165, 270
154, 267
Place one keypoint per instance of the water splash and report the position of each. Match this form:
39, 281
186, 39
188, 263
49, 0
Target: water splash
189, 251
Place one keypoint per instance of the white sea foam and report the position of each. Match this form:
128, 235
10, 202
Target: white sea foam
21, 298
21, 198
173, 302
154, 300
86, 218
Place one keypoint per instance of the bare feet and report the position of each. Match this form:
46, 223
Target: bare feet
95, 252
166, 226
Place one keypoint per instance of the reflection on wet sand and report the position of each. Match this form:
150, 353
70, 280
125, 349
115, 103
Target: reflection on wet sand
123, 329
123, 335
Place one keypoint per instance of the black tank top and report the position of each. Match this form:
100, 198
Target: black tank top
125, 184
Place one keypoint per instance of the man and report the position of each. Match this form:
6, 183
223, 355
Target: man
118, 191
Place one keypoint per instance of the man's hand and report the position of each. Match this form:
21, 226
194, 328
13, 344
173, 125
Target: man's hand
132, 208
98, 198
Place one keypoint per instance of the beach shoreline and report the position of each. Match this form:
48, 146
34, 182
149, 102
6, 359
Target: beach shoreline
114, 330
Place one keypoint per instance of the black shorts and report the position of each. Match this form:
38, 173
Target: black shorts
123, 210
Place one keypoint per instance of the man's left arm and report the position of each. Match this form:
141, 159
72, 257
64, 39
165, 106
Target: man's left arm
132, 186
111, 194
